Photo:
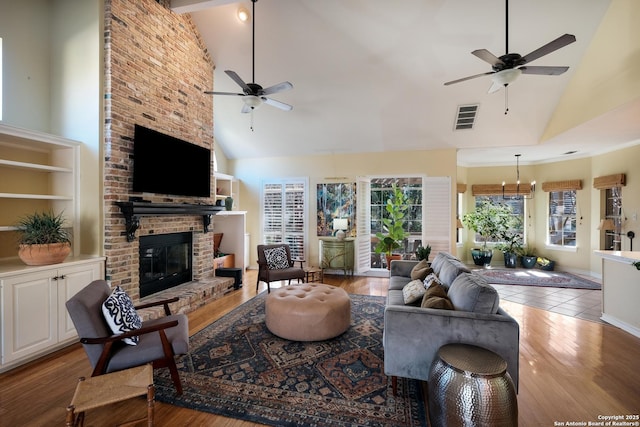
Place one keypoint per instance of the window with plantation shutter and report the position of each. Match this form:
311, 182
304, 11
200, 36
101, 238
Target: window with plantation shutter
437, 213
283, 215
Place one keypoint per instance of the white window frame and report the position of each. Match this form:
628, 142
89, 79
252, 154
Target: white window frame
298, 251
563, 216
436, 217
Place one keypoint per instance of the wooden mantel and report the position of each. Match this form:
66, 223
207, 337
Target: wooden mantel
132, 212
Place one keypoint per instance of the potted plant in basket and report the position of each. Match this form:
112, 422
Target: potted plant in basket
490, 221
43, 239
393, 225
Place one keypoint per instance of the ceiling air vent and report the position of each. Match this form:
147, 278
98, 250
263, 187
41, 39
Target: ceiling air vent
466, 116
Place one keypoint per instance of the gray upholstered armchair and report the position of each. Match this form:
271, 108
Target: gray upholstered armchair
159, 339
275, 263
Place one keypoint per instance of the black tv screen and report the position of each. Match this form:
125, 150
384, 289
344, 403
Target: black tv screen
167, 165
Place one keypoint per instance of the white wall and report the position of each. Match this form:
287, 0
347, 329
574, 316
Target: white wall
24, 28
76, 88
52, 83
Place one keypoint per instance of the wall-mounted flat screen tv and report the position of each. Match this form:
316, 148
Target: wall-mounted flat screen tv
167, 165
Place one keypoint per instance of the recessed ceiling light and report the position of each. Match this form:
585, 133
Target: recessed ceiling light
243, 14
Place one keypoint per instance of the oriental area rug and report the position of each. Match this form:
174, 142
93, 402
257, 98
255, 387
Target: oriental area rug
238, 369
535, 277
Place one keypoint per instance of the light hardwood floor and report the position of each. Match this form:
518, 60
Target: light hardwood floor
571, 370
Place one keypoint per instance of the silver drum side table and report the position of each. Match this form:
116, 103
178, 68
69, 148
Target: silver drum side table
470, 386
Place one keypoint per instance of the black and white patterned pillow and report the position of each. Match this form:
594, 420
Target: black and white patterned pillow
276, 258
121, 315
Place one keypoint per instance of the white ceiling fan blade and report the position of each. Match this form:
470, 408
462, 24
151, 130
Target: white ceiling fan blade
543, 70
469, 78
236, 78
487, 56
277, 104
208, 92
552, 46
280, 87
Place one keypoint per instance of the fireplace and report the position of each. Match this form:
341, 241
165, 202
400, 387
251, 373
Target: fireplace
165, 261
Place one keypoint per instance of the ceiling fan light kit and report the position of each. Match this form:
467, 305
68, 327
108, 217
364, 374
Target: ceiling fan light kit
253, 95
252, 101
508, 67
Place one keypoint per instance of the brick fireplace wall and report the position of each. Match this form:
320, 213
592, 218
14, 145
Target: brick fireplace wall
156, 68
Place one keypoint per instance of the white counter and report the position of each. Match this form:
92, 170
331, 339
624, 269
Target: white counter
621, 290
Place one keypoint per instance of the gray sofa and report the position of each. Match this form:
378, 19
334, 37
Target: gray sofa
413, 335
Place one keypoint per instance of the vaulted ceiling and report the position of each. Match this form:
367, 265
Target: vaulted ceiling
369, 75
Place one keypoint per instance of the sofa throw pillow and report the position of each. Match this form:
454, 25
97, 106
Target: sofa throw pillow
421, 270
431, 279
436, 290
471, 292
276, 258
121, 315
437, 302
436, 297
413, 291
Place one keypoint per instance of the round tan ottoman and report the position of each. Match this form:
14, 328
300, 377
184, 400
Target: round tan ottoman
308, 312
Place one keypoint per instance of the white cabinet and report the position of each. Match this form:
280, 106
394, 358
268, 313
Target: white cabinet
38, 172
34, 316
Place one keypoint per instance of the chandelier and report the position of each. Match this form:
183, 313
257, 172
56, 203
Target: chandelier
519, 196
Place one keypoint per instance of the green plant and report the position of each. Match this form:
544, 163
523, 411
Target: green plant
42, 229
393, 223
489, 220
528, 251
511, 240
423, 252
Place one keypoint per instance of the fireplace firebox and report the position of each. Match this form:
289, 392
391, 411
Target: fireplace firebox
165, 261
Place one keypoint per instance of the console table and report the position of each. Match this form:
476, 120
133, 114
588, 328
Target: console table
337, 254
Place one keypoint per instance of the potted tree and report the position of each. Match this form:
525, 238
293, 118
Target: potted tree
511, 242
489, 220
43, 239
392, 225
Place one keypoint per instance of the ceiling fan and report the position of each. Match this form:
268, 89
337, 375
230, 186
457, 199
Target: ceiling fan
508, 67
253, 94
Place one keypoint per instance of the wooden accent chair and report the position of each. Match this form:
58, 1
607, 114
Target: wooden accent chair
275, 263
159, 339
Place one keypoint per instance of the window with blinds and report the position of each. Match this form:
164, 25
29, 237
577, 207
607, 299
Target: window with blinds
284, 212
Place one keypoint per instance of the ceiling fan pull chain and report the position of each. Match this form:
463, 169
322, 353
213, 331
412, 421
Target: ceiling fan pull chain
251, 120
506, 99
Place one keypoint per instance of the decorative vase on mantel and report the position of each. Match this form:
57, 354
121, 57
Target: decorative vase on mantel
228, 203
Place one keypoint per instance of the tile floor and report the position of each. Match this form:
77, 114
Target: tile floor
581, 303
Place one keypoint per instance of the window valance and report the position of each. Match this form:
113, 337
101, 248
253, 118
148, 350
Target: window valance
572, 184
496, 189
602, 182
